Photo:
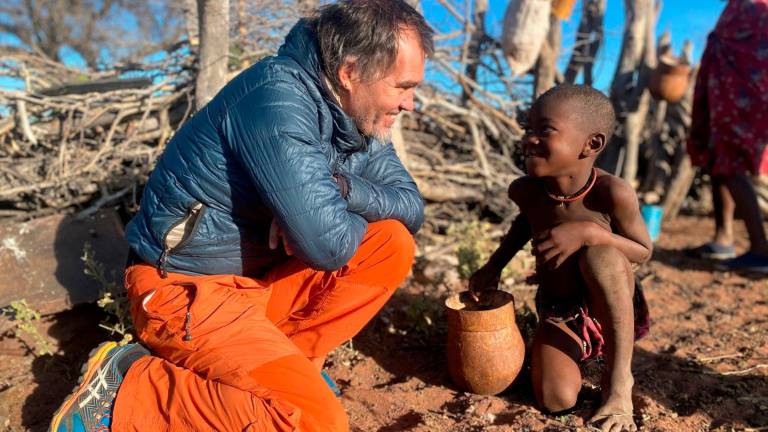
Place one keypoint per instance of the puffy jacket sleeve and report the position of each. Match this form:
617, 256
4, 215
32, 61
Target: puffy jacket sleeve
274, 134
385, 190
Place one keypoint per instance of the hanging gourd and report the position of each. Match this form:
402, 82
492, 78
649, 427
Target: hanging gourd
526, 23
669, 80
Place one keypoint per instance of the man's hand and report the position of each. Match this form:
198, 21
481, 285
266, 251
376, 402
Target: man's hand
486, 278
275, 233
554, 246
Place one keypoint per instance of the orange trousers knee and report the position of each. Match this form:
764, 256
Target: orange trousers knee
230, 353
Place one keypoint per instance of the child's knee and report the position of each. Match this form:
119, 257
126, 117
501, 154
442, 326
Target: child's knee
600, 258
557, 396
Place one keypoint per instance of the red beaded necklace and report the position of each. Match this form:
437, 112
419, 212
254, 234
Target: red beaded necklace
579, 194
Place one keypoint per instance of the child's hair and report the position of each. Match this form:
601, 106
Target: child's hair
594, 107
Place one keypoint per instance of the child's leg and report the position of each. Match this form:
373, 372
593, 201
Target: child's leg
610, 286
555, 374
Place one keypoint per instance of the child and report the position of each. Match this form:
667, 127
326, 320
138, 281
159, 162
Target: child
587, 231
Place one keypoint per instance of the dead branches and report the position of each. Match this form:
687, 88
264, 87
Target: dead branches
81, 140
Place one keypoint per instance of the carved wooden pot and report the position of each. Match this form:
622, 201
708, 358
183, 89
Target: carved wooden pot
485, 349
669, 80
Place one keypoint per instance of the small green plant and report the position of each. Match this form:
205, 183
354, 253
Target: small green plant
113, 299
473, 246
424, 315
345, 354
23, 319
527, 321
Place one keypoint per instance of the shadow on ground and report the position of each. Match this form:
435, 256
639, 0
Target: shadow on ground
76, 333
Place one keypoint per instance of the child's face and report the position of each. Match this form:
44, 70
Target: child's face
553, 140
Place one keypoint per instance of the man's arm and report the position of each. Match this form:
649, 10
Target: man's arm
273, 133
385, 190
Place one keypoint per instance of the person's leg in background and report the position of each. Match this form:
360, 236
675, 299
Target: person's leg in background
745, 197
724, 209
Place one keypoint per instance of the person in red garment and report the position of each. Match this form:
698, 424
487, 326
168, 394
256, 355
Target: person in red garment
729, 137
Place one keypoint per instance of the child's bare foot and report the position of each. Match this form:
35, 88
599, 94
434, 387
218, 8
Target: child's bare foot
615, 415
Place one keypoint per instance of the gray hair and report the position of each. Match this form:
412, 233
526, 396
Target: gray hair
367, 31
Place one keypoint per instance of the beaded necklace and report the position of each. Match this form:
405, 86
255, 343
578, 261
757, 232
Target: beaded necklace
579, 194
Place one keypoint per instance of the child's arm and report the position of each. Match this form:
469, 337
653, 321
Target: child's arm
630, 234
487, 277
518, 235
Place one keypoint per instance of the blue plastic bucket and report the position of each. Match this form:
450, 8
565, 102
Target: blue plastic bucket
652, 215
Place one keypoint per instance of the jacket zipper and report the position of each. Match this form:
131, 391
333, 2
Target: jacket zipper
195, 211
341, 159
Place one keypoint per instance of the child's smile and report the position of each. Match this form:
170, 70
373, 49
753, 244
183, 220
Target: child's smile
553, 140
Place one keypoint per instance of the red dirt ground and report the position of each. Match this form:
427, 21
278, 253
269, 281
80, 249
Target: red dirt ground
704, 367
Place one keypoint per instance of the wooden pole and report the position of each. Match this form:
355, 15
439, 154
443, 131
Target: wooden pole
214, 49
545, 72
589, 36
628, 91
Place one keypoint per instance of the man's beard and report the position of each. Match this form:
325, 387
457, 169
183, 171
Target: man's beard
383, 135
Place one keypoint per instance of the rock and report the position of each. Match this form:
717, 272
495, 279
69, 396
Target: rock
41, 259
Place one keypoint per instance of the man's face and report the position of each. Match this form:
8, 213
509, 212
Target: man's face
375, 104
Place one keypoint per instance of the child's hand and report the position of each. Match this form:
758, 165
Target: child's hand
484, 279
554, 246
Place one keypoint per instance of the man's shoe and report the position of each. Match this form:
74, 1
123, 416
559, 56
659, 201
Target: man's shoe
89, 407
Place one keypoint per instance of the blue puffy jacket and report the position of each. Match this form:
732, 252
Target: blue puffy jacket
268, 145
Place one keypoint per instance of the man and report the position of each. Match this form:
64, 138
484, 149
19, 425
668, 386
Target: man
276, 224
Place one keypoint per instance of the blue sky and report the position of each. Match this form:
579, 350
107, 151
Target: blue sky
681, 18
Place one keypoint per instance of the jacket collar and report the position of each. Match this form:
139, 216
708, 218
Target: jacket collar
301, 45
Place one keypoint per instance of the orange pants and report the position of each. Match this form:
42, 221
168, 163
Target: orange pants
231, 352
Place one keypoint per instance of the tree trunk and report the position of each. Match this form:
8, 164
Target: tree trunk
628, 91
679, 119
214, 49
416, 4
653, 152
191, 21
475, 45
545, 72
306, 7
588, 39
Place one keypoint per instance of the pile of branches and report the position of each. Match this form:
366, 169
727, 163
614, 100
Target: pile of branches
86, 144
463, 158
78, 147
74, 139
